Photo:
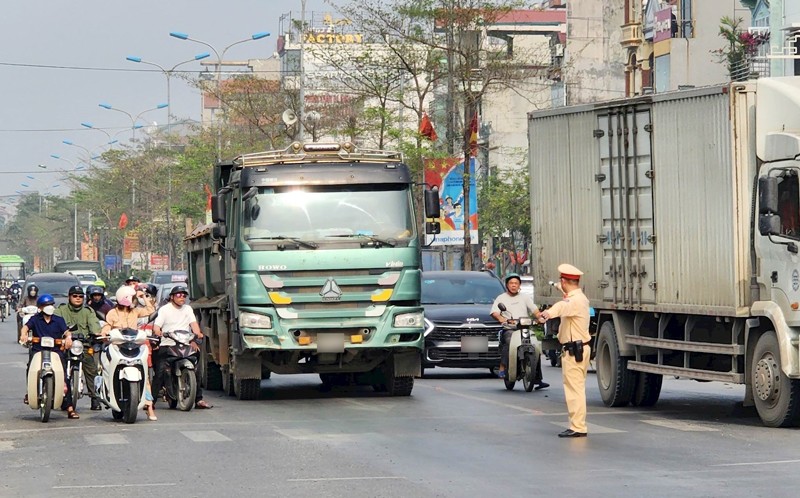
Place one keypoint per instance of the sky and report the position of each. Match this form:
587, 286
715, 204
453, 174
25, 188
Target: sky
42, 106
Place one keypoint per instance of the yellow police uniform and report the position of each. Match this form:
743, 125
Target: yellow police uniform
574, 314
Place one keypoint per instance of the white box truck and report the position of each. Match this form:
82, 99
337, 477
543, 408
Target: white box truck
683, 210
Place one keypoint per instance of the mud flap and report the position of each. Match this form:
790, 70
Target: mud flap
246, 367
407, 364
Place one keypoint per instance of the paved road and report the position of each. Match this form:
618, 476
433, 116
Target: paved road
460, 434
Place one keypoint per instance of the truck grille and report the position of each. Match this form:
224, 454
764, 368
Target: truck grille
455, 354
456, 333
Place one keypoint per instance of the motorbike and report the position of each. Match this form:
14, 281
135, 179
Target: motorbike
523, 358
4, 307
179, 378
75, 375
25, 314
123, 373
45, 377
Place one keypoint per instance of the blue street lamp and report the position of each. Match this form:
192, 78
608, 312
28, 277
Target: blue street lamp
183, 36
168, 74
134, 119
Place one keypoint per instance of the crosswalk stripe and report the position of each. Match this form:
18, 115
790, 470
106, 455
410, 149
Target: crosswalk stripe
103, 439
679, 425
592, 428
6, 445
205, 436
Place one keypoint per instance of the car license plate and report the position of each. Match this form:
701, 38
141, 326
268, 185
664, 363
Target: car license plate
474, 344
330, 343
47, 342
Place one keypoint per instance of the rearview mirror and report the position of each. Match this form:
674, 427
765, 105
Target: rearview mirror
769, 224
432, 209
219, 231
218, 208
767, 195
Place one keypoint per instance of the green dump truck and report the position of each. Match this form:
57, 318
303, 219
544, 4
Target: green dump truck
311, 265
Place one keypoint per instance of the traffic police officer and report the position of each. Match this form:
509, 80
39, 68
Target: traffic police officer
573, 334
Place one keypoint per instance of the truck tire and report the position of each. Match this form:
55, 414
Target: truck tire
213, 377
648, 389
777, 397
227, 381
247, 389
615, 381
400, 386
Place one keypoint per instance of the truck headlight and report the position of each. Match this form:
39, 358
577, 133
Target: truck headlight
409, 320
254, 321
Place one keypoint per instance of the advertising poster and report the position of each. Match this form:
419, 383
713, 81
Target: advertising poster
448, 176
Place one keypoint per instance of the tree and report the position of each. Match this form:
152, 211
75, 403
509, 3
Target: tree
741, 47
505, 212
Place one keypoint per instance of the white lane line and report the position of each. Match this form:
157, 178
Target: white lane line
314, 479
680, 425
484, 400
96, 486
6, 445
205, 436
309, 435
742, 464
592, 428
103, 439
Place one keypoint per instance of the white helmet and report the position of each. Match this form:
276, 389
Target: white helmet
125, 295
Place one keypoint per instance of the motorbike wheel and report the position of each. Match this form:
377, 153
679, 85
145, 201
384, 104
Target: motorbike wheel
527, 375
75, 386
130, 407
552, 355
187, 388
46, 398
509, 384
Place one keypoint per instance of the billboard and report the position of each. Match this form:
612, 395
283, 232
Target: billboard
448, 176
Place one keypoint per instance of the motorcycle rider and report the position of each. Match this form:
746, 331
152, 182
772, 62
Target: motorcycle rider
75, 313
45, 324
125, 315
16, 293
177, 315
97, 300
518, 305
30, 297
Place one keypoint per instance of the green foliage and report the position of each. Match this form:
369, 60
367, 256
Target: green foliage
741, 47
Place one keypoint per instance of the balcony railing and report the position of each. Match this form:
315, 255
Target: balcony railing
631, 35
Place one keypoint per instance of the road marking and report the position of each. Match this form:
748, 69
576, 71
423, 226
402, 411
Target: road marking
205, 436
592, 428
308, 435
96, 486
754, 463
6, 445
103, 439
313, 479
680, 425
484, 400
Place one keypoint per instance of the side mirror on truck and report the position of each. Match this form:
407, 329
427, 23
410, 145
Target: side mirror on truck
218, 208
769, 222
432, 210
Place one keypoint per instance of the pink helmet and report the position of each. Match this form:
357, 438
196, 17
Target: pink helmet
125, 295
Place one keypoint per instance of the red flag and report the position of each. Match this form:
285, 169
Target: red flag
208, 197
123, 221
426, 128
473, 136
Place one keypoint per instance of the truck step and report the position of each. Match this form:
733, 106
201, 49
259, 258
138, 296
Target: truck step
692, 347
691, 373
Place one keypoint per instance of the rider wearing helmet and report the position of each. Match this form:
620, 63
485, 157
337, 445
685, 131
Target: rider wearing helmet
518, 305
97, 300
77, 315
46, 324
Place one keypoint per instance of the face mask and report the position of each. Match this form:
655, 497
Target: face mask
49, 309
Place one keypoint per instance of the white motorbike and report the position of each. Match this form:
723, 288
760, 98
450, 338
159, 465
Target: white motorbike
25, 314
45, 377
523, 356
123, 373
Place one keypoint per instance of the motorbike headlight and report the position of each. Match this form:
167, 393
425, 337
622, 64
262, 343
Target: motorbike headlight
525, 322
254, 321
76, 348
183, 337
429, 326
409, 320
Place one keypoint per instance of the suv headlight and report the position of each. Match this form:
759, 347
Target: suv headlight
408, 320
254, 321
429, 326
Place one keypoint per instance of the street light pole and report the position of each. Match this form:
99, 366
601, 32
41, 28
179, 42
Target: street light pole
218, 66
75, 207
133, 119
168, 74
302, 108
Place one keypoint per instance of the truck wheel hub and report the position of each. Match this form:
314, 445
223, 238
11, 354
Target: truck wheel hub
767, 378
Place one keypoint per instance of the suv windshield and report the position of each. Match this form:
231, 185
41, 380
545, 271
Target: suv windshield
323, 213
457, 289
54, 287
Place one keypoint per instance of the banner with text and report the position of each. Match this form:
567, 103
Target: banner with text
448, 176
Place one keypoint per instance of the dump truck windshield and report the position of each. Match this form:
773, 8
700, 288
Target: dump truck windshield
327, 213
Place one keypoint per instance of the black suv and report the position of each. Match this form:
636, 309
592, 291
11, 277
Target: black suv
457, 312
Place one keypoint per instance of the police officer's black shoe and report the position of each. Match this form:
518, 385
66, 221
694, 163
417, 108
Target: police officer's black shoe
571, 433
96, 405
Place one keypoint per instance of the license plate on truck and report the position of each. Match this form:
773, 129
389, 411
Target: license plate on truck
330, 343
474, 344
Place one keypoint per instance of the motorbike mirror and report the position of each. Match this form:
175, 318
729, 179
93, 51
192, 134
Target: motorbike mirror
100, 315
502, 307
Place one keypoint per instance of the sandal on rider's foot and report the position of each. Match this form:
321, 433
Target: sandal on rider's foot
73, 414
203, 405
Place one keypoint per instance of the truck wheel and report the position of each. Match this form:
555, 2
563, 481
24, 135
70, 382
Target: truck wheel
615, 381
777, 397
227, 381
247, 389
213, 377
400, 386
648, 389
